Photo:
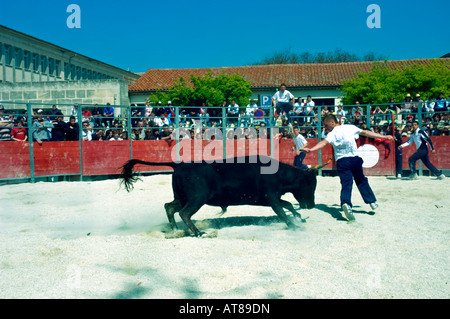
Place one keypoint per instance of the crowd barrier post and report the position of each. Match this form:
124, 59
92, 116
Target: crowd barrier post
30, 141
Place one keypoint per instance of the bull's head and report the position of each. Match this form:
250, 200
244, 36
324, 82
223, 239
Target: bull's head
306, 187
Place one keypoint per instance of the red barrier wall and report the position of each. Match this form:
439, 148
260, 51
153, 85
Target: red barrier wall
107, 157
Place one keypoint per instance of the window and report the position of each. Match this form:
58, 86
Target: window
35, 60
58, 68
44, 64
17, 57
51, 66
26, 60
8, 54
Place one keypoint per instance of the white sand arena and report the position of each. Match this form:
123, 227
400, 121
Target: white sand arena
92, 240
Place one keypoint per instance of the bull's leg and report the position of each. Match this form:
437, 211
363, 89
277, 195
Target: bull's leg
171, 209
186, 213
287, 205
278, 209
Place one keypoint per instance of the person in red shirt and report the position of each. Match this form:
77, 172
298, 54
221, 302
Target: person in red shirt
19, 133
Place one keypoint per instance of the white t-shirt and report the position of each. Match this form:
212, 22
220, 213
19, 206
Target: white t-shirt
342, 138
299, 141
285, 96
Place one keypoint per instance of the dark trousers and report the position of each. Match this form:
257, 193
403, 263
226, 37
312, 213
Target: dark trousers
349, 169
398, 161
422, 154
298, 161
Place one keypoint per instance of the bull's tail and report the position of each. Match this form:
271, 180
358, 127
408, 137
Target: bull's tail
128, 177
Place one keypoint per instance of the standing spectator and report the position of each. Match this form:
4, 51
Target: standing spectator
108, 115
422, 141
54, 112
59, 129
148, 109
407, 105
429, 105
340, 114
87, 116
40, 128
72, 130
441, 103
97, 115
5, 125
299, 142
233, 112
159, 109
19, 133
74, 112
283, 100
398, 151
204, 115
309, 104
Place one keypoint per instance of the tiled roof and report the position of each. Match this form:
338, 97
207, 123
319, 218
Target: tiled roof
269, 76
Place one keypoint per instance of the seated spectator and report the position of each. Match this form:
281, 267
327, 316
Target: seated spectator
149, 136
162, 120
443, 125
86, 133
166, 133
59, 129
116, 136
98, 135
5, 125
19, 133
87, 116
40, 128
72, 130
108, 115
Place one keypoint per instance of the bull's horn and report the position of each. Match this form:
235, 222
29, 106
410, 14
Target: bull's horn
320, 165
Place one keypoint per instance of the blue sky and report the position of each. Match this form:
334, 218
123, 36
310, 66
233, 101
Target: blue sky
181, 34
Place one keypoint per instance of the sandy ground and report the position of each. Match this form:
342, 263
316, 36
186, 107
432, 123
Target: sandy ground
92, 240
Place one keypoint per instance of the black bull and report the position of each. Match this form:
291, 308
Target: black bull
228, 184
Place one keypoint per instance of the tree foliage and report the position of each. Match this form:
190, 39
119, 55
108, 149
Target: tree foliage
207, 89
384, 82
336, 56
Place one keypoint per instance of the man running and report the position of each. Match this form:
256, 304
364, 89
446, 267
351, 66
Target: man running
349, 164
422, 141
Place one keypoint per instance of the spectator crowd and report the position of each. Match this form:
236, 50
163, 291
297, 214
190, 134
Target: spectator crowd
158, 122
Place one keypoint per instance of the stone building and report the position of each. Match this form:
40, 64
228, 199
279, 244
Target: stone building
36, 71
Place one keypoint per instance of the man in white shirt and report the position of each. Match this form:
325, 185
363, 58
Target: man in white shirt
283, 101
299, 142
349, 164
422, 141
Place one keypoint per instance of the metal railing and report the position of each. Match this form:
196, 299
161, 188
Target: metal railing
132, 123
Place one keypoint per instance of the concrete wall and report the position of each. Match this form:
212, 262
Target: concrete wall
99, 92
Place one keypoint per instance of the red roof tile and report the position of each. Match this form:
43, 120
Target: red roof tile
269, 76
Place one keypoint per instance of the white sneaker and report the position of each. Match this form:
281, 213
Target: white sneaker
348, 212
413, 176
399, 175
374, 205
442, 176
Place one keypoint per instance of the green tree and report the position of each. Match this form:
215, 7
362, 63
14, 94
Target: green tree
384, 82
207, 89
